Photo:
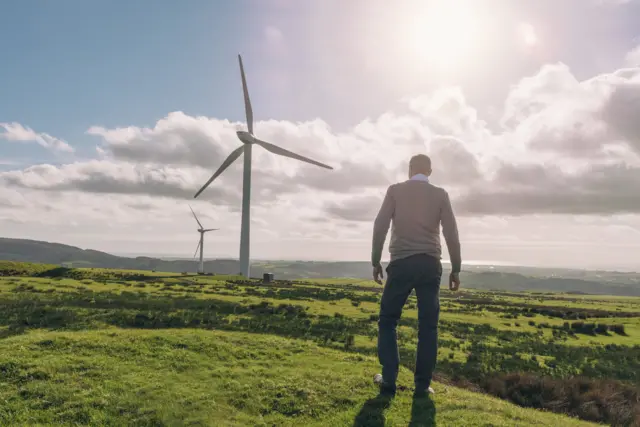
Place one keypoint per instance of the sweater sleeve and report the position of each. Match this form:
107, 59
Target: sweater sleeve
381, 227
450, 231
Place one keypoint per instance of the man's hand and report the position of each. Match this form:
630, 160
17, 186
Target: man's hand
378, 275
454, 281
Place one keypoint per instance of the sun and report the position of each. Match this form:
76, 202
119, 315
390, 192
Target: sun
528, 34
447, 33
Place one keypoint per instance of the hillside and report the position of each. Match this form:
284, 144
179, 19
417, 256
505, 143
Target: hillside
182, 377
55, 253
505, 279
116, 347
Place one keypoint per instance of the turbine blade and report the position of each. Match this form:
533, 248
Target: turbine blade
210, 229
194, 215
197, 247
247, 102
232, 157
282, 152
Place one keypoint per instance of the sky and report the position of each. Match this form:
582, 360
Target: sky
114, 113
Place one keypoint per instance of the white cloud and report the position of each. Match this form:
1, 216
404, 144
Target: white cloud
15, 132
275, 46
563, 147
273, 35
632, 59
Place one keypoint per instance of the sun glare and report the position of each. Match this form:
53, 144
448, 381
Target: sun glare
447, 33
528, 34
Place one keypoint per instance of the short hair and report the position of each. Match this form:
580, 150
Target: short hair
420, 162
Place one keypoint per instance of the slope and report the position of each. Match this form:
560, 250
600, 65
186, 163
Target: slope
123, 377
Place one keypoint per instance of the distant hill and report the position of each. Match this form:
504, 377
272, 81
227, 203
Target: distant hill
56, 253
543, 280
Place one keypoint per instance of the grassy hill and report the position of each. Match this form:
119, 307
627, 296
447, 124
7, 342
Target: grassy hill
213, 378
113, 347
507, 279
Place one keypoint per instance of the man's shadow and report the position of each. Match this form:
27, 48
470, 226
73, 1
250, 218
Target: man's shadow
372, 412
423, 412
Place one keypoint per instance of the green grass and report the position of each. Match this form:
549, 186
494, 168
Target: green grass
137, 348
210, 378
216, 289
149, 273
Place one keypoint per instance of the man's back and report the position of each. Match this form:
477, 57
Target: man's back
417, 209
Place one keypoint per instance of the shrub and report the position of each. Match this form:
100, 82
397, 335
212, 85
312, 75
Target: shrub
350, 342
602, 401
618, 329
602, 329
577, 326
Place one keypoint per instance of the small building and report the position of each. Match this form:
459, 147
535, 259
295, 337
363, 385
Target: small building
267, 278
66, 265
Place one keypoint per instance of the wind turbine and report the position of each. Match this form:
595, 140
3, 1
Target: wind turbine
200, 246
248, 140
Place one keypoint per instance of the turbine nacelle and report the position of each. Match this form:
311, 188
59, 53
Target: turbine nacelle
245, 137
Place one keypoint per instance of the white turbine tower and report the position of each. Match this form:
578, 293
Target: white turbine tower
200, 246
248, 139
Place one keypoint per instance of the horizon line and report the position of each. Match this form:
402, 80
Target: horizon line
470, 263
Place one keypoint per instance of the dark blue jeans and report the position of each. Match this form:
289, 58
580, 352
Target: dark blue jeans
422, 273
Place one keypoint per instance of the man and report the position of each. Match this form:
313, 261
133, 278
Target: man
417, 209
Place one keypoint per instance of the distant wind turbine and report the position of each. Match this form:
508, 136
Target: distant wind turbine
200, 246
248, 139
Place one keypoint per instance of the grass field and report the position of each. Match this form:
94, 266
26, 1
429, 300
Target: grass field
101, 347
213, 378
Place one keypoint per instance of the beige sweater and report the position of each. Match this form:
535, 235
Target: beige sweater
417, 209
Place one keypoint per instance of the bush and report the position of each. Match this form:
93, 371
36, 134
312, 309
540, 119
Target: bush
350, 342
618, 329
577, 326
601, 401
602, 329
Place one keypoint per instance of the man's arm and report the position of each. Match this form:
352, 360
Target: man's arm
381, 227
450, 231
